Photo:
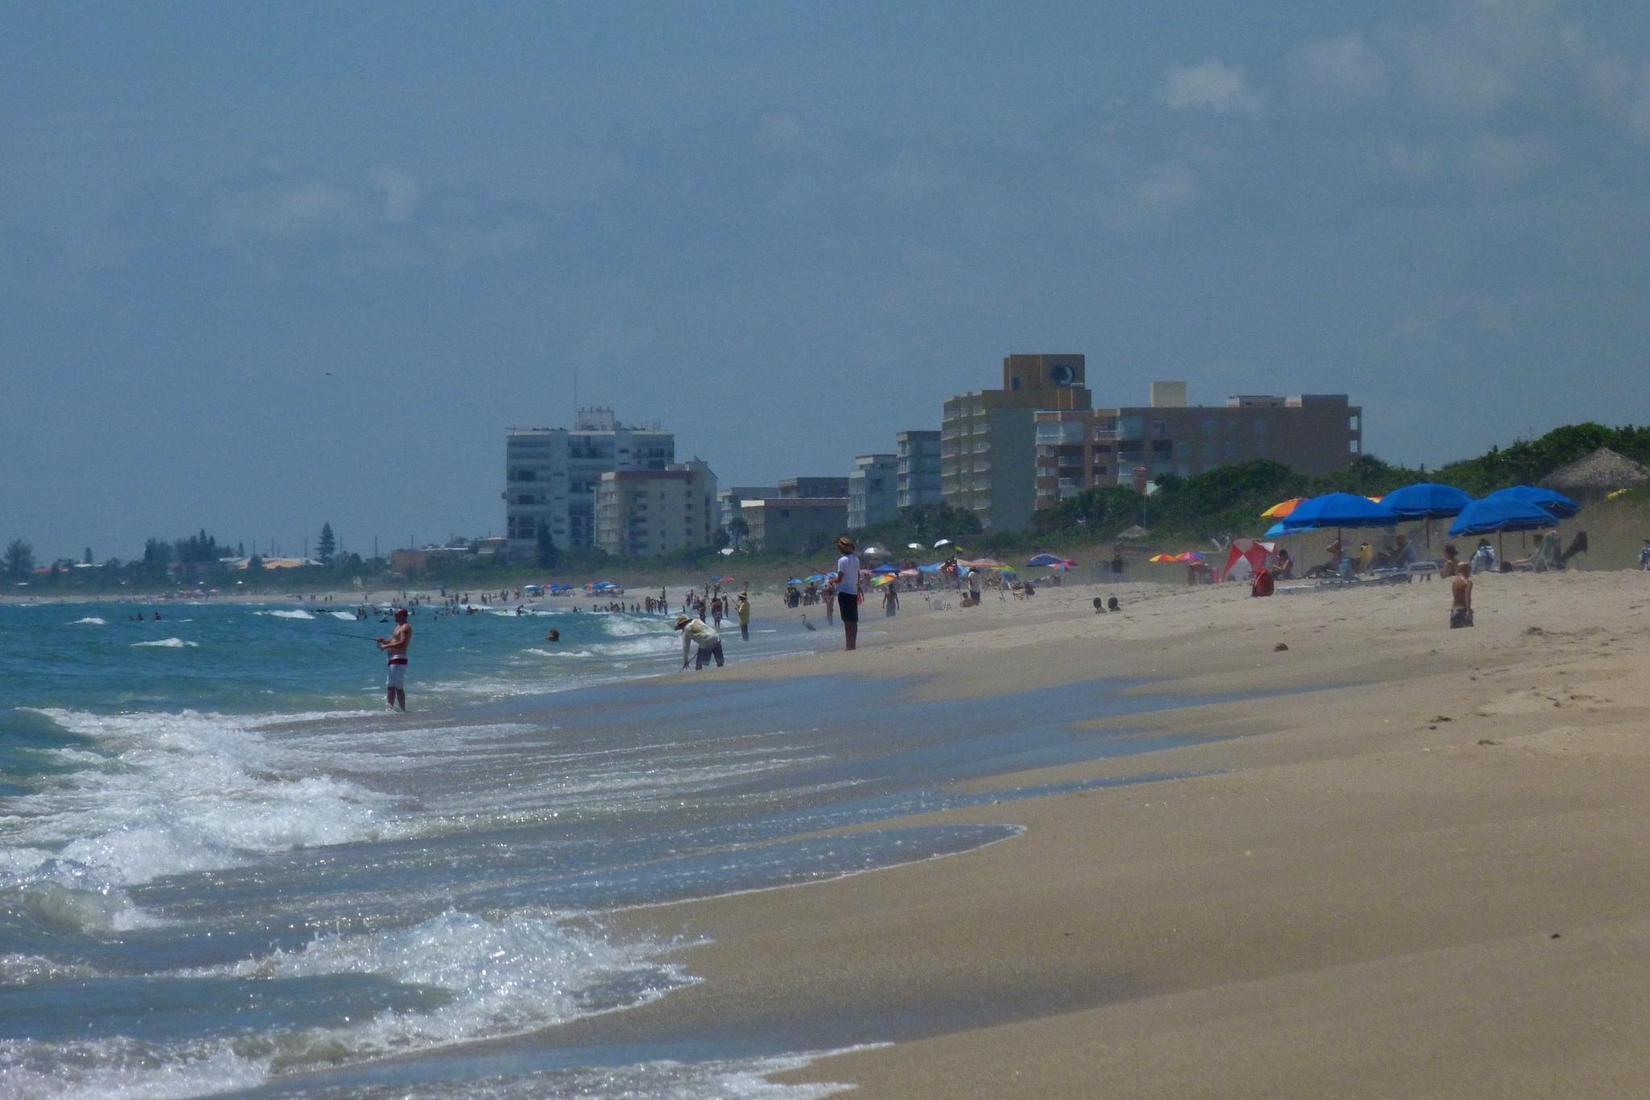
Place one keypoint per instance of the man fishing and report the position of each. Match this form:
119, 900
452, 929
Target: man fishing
395, 691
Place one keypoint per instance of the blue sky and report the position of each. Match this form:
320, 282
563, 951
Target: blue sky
267, 265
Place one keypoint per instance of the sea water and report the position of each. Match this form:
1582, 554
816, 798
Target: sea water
224, 866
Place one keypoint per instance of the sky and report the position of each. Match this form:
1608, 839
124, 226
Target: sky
268, 266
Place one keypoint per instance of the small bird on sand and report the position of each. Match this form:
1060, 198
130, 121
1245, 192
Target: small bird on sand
807, 625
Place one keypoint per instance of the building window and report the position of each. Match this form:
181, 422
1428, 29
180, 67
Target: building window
1159, 429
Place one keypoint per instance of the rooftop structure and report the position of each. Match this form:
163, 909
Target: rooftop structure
988, 438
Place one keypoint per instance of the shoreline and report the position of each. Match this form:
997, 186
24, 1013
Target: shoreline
1371, 859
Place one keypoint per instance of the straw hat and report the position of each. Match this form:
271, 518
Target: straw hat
845, 544
681, 621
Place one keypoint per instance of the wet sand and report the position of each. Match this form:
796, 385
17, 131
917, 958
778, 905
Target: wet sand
1418, 867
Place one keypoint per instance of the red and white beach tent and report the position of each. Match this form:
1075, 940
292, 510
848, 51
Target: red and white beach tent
1245, 558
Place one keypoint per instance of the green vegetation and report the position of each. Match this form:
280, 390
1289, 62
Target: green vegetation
1528, 461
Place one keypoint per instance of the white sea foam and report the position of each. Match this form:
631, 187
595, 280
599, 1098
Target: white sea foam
185, 792
640, 646
725, 1079
296, 613
349, 615
125, 1069
507, 976
623, 626
20, 970
167, 643
89, 620
560, 652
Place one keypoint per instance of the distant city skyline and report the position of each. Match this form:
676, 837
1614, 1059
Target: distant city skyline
267, 267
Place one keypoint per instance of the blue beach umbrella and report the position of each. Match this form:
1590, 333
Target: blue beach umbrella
1427, 500
1555, 503
1497, 515
1340, 510
1045, 559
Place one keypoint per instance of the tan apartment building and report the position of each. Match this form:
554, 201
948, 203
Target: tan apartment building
988, 438
645, 513
795, 525
1088, 448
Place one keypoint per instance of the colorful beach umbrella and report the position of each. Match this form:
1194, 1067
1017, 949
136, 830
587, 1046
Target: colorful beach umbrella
1283, 508
1163, 559
1048, 559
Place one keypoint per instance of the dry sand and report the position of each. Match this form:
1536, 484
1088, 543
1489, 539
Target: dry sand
1420, 868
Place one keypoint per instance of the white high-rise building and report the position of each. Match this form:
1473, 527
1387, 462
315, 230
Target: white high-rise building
551, 475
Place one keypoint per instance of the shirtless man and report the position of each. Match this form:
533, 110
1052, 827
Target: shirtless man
1460, 611
395, 692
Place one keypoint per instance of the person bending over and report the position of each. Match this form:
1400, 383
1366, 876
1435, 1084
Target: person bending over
694, 631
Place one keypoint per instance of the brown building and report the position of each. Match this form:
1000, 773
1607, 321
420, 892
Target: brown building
1089, 448
988, 438
795, 525
645, 513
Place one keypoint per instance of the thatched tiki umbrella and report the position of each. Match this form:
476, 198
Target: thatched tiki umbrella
1594, 476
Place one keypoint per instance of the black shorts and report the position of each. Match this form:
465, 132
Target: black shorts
848, 604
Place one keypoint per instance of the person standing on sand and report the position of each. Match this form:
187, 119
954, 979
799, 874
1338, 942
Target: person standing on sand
847, 590
742, 609
395, 685
1460, 611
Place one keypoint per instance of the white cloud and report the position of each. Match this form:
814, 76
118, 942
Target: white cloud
400, 193
1453, 77
1410, 161
1344, 67
288, 209
1623, 90
1496, 160
1212, 85
1160, 192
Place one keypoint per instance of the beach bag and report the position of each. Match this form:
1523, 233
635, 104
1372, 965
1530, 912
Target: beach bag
1459, 617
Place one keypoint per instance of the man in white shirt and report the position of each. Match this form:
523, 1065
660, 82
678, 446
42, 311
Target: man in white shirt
710, 642
847, 589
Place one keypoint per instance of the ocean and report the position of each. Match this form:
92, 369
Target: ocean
226, 869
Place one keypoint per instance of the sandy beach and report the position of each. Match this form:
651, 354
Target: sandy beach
1406, 861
